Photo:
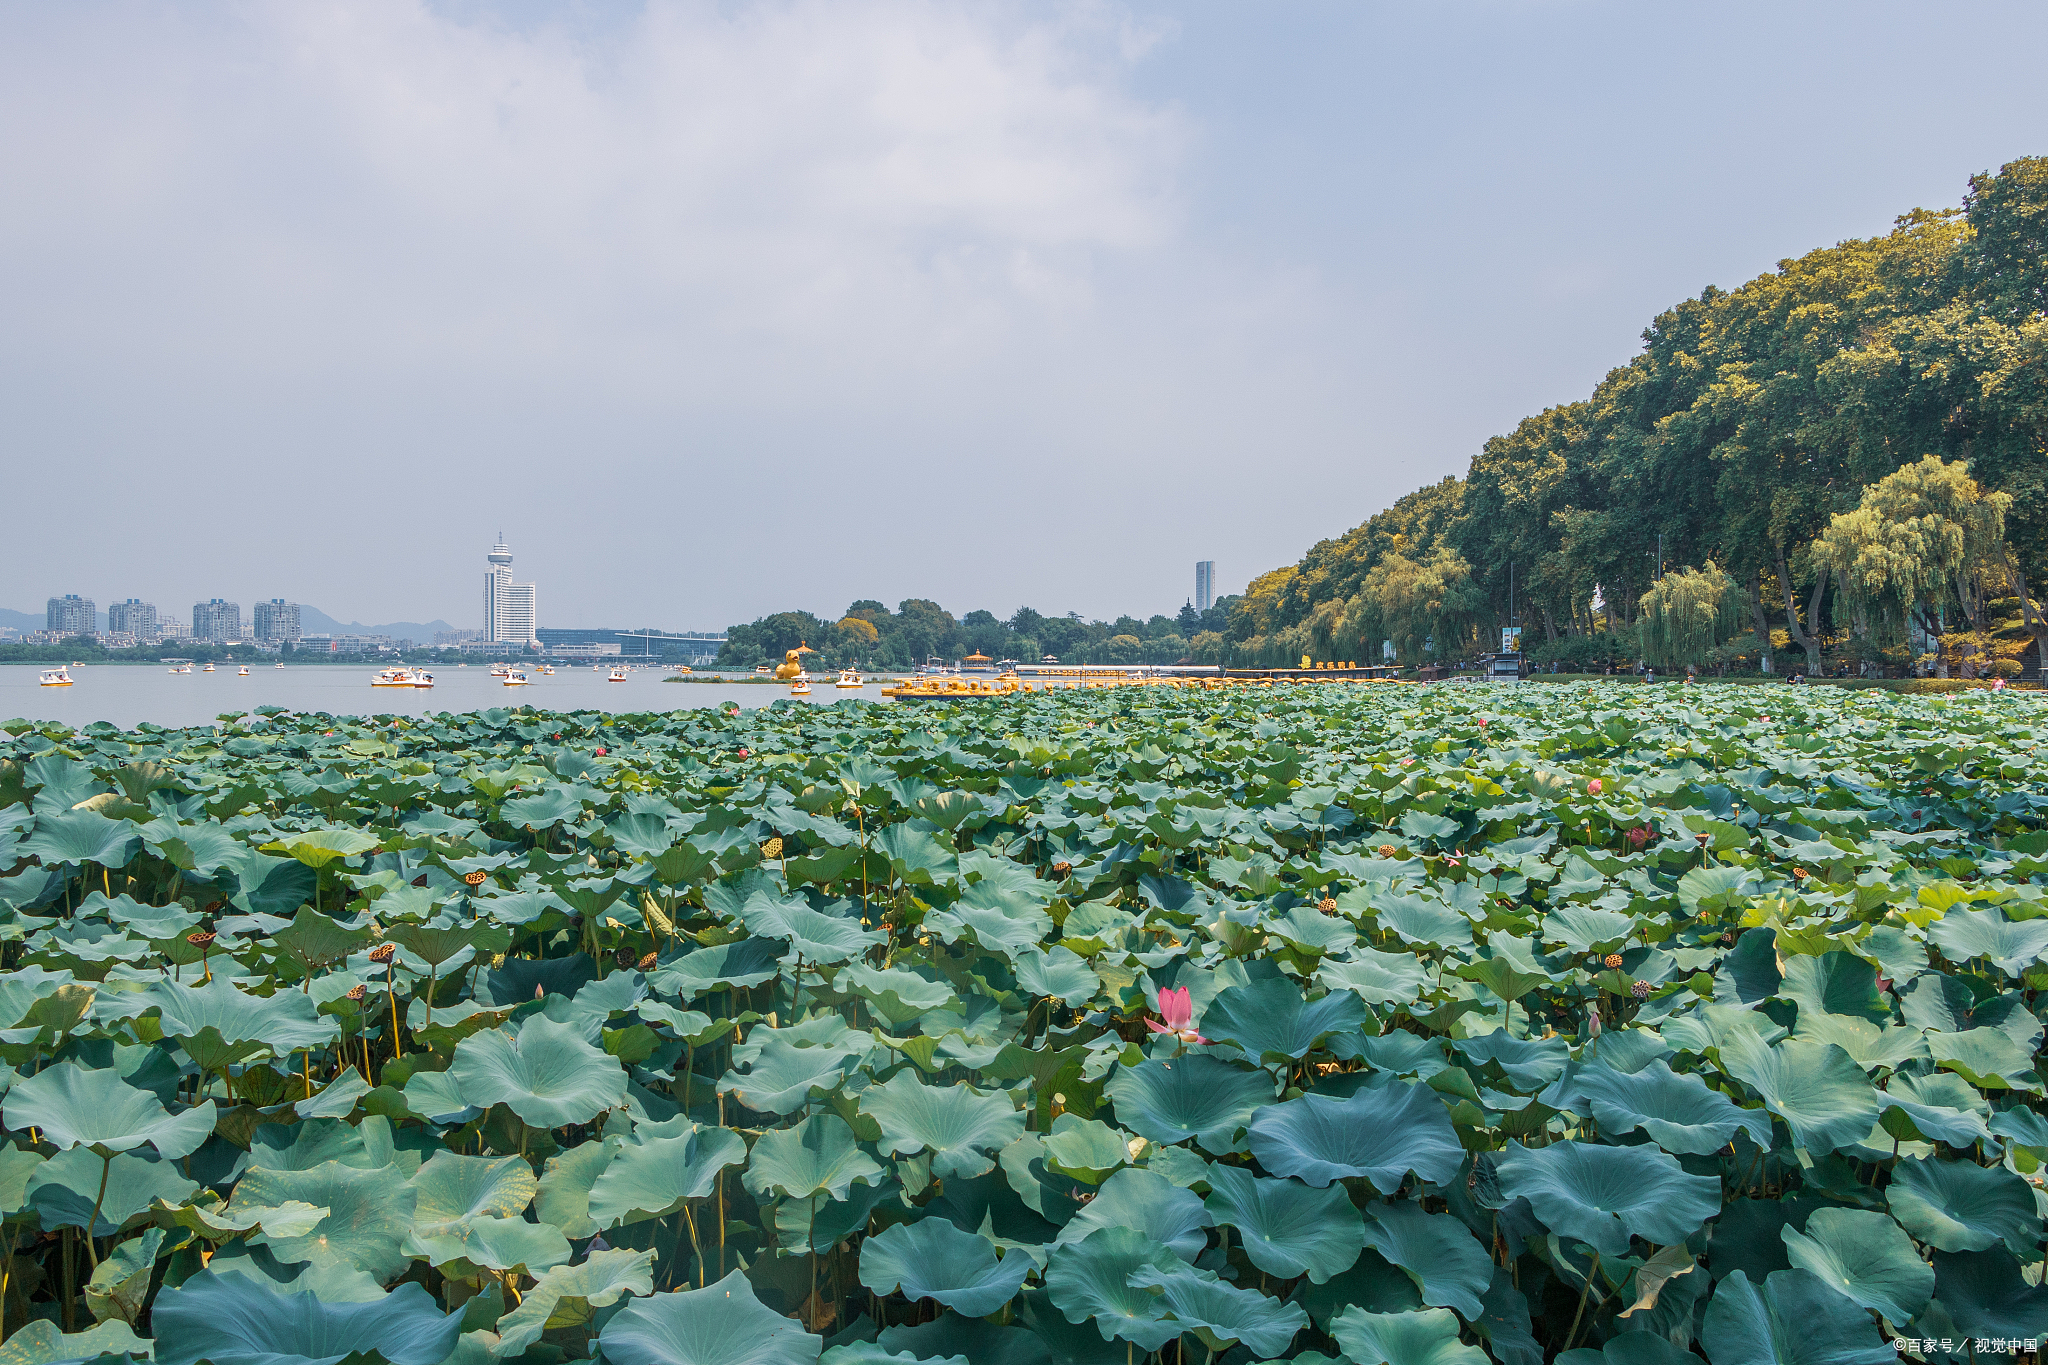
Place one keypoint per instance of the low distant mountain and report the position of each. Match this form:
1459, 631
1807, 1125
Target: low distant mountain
312, 621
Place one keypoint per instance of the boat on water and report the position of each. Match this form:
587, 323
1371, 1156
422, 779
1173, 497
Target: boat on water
514, 678
547, 670
617, 675
500, 670
242, 672
800, 686
280, 663
849, 677
55, 677
182, 668
402, 677
763, 669
679, 670
207, 669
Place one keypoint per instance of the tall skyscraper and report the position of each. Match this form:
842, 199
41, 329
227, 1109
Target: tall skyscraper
510, 614
133, 617
217, 621
1205, 584
276, 622
72, 615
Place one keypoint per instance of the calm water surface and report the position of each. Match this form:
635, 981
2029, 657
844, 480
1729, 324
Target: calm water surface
128, 693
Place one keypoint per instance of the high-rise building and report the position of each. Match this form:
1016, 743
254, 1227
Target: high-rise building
134, 617
72, 615
169, 629
275, 622
217, 620
1205, 584
509, 610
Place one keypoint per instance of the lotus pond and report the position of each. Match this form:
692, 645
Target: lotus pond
1369, 1024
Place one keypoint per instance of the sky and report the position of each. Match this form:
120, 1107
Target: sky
718, 309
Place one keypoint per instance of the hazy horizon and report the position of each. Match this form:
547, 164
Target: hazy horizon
722, 309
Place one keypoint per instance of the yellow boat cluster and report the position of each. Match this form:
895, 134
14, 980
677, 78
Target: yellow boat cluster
929, 689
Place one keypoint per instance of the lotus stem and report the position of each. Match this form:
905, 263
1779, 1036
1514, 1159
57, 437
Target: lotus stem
1595, 1270
91, 1254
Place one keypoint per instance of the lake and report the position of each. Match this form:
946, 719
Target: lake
127, 693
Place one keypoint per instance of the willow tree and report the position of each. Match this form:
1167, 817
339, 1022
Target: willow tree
1430, 599
1688, 612
1924, 541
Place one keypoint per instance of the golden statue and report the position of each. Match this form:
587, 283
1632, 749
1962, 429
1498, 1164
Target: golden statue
791, 665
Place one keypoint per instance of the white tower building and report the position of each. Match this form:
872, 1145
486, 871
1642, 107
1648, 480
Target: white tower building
509, 612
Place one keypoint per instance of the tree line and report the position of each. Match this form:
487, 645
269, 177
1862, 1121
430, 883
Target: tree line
1846, 457
869, 635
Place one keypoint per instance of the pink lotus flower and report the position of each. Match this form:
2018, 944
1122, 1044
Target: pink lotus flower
602, 752
1177, 1008
746, 753
1452, 860
1482, 722
1406, 762
1593, 787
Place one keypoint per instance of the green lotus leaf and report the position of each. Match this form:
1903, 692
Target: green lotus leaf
41, 1342
1940, 1107
435, 1097
230, 1023
1866, 1256
440, 941
898, 996
1288, 1229
1439, 1253
451, 1189
1587, 929
1961, 1206
1601, 1195
1148, 1202
1870, 1045
1415, 920
570, 1295
1375, 977
1526, 1064
932, 1259
1985, 1290
1834, 983
1377, 1135
1793, 1318
368, 1214
550, 806
1678, 1111
644, 835
748, 962
1819, 1091
873, 1353
817, 1157
1985, 1057
1270, 1020
565, 1184
548, 1075
784, 1078
319, 847
1058, 974
1196, 1096
959, 1125
80, 836
76, 1107
65, 1189
720, 1324
813, 935
1088, 1280
233, 1320
820, 1222
1220, 1314
120, 1284
654, 1178
1630, 1348
1965, 934
1429, 1337
914, 855
1084, 1149
512, 1244
1311, 931
218, 1223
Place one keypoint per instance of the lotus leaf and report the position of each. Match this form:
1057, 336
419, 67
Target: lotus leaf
720, 1324
932, 1259
1378, 1135
959, 1125
232, 1320
1088, 1280
1450, 1269
1220, 1314
570, 1295
1961, 1206
1287, 1229
1818, 1090
1428, 1337
368, 1214
1866, 1256
1985, 1290
74, 1107
652, 1179
1679, 1112
1197, 1096
817, 1157
1148, 1202
546, 1073
1270, 1019
1793, 1318
1601, 1195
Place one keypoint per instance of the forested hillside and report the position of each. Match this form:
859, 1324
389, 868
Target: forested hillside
1749, 421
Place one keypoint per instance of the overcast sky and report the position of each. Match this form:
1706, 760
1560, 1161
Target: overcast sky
720, 309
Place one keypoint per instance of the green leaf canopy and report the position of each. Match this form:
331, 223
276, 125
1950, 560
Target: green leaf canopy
1378, 1135
720, 1324
546, 1073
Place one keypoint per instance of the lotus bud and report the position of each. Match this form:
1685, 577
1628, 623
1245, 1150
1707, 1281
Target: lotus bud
1593, 787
